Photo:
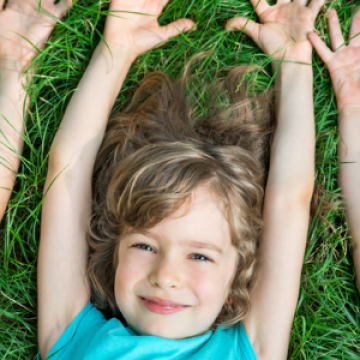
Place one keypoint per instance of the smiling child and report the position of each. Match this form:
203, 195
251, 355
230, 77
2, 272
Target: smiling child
176, 207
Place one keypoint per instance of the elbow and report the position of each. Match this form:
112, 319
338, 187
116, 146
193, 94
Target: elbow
300, 193
304, 194
56, 163
299, 198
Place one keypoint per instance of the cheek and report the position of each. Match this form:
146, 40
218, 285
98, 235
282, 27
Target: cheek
209, 287
128, 273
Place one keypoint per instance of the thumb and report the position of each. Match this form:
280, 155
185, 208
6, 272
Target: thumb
177, 27
324, 52
250, 27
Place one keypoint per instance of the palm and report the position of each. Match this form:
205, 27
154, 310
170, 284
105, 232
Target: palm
285, 27
343, 62
134, 25
344, 69
139, 31
21, 17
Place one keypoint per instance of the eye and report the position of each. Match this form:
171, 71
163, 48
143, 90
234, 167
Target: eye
144, 247
201, 257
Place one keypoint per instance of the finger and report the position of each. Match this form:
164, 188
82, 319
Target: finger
260, 6
281, 2
62, 7
336, 36
161, 5
250, 27
2, 4
324, 52
20, 3
355, 30
316, 5
176, 27
301, 2
46, 5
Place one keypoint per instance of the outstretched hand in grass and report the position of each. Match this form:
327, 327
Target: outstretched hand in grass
132, 25
343, 62
25, 26
283, 29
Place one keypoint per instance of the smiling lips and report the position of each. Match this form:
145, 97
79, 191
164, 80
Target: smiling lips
160, 306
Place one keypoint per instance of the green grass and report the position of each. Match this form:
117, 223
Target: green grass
327, 320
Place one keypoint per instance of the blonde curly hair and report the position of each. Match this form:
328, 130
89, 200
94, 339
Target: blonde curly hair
157, 152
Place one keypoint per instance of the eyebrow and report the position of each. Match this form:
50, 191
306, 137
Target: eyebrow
192, 243
203, 245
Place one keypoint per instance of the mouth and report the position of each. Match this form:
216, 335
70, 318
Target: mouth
160, 301
161, 306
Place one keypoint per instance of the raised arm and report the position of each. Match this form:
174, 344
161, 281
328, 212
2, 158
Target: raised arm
18, 18
344, 67
62, 281
291, 178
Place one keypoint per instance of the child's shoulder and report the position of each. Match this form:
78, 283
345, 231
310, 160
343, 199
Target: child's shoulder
238, 337
74, 341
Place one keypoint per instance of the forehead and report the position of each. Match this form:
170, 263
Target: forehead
200, 218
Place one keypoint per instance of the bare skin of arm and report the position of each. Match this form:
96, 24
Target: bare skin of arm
343, 63
19, 17
12, 100
291, 178
63, 286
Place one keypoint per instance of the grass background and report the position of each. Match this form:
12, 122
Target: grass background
327, 320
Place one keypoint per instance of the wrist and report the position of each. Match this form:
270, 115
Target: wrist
12, 85
290, 73
11, 64
114, 55
348, 113
11, 77
300, 54
292, 62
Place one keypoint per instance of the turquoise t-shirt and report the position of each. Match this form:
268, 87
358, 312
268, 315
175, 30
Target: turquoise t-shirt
90, 336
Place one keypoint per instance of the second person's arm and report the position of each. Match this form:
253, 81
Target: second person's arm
344, 67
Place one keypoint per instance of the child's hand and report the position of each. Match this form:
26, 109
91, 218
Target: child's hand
344, 63
284, 26
136, 33
21, 17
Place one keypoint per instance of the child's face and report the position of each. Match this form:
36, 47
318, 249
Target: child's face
166, 262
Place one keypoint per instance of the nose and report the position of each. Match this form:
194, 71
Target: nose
166, 274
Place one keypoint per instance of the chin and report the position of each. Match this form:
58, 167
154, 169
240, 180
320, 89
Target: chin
160, 330
166, 331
